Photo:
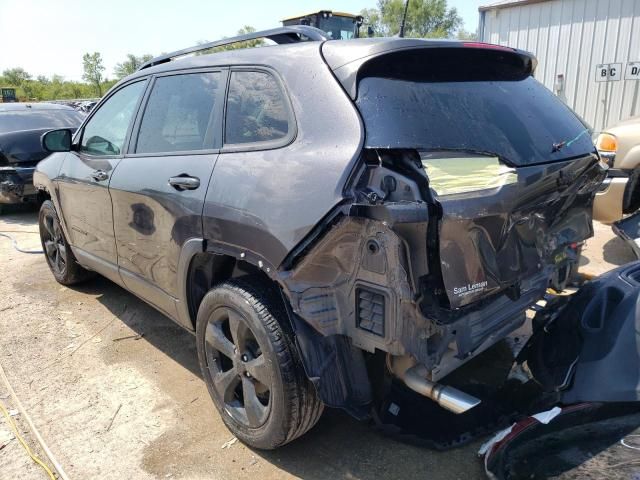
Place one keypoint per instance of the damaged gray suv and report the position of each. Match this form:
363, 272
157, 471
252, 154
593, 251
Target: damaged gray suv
311, 207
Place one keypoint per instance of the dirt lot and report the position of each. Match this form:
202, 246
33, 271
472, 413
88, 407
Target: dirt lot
113, 387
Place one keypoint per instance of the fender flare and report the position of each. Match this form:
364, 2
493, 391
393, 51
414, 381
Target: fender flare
194, 246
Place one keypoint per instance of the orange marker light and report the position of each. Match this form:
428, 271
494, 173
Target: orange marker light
606, 143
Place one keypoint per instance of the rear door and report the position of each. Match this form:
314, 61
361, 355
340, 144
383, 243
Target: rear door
159, 187
241, 209
84, 179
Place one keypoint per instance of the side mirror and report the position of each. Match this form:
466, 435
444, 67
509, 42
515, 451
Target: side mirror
57, 140
370, 31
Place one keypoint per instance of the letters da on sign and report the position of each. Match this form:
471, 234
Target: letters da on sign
632, 71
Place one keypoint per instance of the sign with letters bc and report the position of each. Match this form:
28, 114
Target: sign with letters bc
608, 72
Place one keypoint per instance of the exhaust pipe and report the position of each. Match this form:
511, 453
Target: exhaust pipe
447, 397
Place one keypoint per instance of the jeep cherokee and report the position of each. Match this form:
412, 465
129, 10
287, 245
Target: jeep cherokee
306, 206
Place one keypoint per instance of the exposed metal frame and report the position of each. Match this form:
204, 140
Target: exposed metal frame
280, 35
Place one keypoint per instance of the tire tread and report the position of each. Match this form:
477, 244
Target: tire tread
305, 406
74, 273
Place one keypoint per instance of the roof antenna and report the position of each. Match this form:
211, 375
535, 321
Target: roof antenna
404, 19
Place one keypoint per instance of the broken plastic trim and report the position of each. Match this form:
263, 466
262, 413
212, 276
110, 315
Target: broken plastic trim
396, 240
586, 350
628, 229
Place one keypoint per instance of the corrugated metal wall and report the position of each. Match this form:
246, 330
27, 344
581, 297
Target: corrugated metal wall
572, 37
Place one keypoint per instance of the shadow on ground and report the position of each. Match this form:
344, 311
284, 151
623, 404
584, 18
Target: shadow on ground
20, 215
617, 252
153, 326
338, 447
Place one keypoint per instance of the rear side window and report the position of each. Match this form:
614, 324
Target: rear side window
256, 109
180, 114
470, 100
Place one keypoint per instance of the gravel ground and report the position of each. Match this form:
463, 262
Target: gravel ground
113, 387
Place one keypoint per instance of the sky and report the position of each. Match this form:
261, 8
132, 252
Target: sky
47, 37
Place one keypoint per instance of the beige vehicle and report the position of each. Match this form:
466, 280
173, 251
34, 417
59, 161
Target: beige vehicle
619, 146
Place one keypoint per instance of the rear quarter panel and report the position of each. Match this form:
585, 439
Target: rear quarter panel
265, 202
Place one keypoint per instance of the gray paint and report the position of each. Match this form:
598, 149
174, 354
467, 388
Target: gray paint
263, 205
252, 193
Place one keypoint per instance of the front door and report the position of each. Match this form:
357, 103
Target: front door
159, 187
84, 179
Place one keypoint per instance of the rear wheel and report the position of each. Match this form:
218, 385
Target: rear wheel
250, 365
60, 258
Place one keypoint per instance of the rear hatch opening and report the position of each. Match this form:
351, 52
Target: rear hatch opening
510, 169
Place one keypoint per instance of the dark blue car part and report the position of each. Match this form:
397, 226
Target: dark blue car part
588, 350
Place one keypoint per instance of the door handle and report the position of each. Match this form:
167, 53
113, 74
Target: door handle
99, 175
184, 182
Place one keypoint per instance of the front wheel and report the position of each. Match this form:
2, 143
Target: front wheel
251, 367
60, 258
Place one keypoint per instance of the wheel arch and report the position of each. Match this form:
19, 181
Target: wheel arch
631, 159
332, 363
204, 264
44, 180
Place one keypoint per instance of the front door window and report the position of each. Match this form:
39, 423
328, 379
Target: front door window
106, 131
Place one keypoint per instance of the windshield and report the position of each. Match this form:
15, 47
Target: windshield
516, 119
338, 28
15, 120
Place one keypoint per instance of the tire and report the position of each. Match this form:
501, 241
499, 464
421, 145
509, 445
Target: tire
631, 197
60, 258
251, 367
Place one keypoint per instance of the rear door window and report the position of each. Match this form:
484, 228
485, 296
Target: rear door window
256, 109
180, 114
468, 100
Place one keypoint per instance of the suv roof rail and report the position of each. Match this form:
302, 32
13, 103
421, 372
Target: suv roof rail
280, 35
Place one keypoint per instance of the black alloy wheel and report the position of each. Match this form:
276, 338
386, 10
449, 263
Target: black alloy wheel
53, 243
239, 370
251, 366
60, 258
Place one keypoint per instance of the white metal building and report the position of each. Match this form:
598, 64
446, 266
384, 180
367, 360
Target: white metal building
588, 50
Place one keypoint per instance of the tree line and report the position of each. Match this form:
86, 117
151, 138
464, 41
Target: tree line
95, 83
425, 19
